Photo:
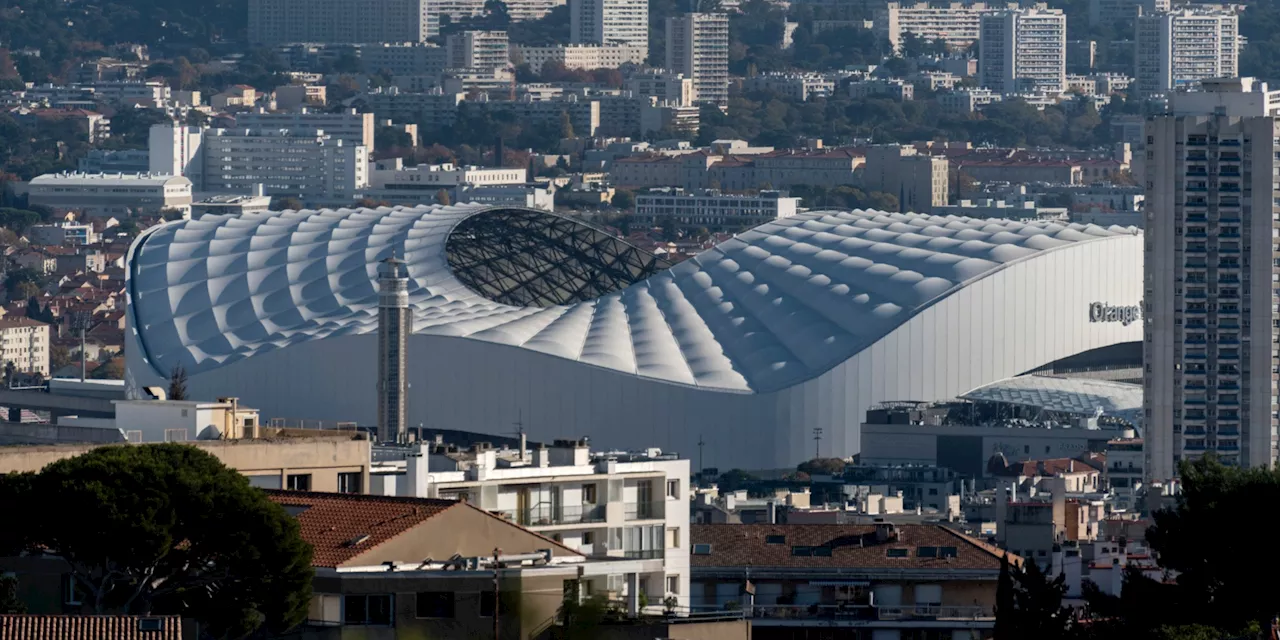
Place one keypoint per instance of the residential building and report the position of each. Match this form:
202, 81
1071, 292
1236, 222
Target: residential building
62, 233
918, 180
964, 101
614, 504
1209, 272
954, 23
1122, 14
1023, 51
25, 343
1176, 49
580, 56
797, 86
711, 209
481, 50
904, 580
350, 126
404, 59
698, 47
610, 22
895, 88
120, 194
670, 88
276, 22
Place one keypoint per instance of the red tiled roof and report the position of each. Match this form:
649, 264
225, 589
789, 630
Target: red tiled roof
852, 547
333, 522
73, 627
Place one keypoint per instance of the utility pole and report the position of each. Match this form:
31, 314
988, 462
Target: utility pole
817, 442
496, 594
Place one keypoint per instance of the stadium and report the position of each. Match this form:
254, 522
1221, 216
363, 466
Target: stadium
760, 351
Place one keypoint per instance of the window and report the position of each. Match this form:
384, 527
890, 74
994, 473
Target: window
701, 550
298, 482
673, 488
897, 553
349, 482
588, 494
70, 590
673, 585
367, 609
435, 604
775, 539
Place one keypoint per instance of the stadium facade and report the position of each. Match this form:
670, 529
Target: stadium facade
521, 315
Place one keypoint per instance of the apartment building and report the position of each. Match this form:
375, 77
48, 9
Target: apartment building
276, 22
669, 88
610, 22
919, 181
350, 126
698, 47
104, 194
24, 343
1123, 13
1023, 51
483, 50
316, 168
711, 209
902, 581
1179, 48
610, 504
1211, 323
798, 86
955, 23
404, 59
580, 56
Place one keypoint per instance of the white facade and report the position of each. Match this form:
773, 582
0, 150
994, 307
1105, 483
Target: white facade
107, 194
1023, 51
610, 22
1210, 340
698, 47
621, 505
711, 209
582, 56
275, 22
477, 50
349, 126
25, 343
801, 323
1174, 50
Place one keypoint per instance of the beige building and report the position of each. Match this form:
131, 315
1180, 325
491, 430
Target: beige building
25, 343
918, 181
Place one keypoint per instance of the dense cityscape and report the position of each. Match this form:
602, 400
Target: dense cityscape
623, 319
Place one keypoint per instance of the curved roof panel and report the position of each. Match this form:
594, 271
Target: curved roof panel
775, 306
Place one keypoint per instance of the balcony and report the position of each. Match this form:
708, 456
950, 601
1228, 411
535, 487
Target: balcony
546, 515
644, 511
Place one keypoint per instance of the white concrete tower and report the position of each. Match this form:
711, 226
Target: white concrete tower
395, 323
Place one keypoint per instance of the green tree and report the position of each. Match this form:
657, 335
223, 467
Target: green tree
174, 532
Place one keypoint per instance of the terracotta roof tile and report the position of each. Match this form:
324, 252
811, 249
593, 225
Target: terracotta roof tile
72, 627
332, 523
852, 547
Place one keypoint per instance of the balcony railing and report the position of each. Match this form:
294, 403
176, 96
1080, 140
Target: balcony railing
764, 614
644, 511
547, 515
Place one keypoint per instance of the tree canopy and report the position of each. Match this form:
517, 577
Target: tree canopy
174, 532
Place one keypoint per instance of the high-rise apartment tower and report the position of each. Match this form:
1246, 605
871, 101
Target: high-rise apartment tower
1210, 280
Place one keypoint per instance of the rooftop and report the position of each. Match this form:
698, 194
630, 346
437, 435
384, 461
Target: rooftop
878, 546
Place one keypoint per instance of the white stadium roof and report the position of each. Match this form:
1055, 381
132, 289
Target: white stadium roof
1080, 396
773, 307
